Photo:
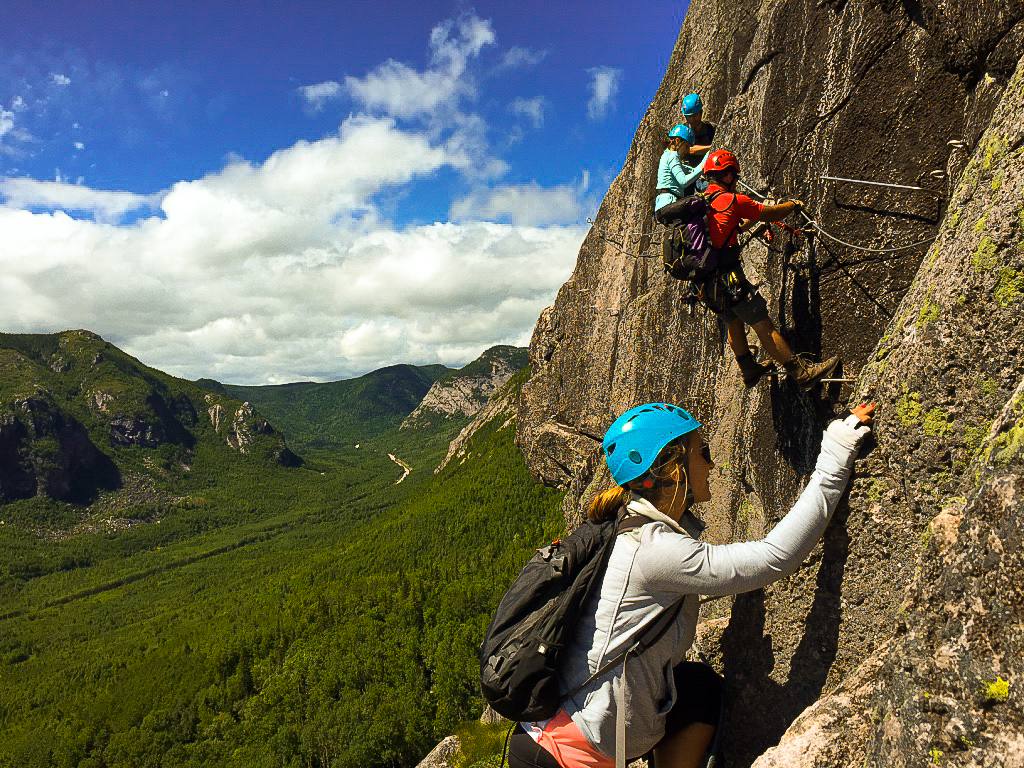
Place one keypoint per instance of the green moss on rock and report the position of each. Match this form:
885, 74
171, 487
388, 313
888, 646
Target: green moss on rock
974, 436
985, 256
929, 313
995, 150
1010, 287
997, 691
1007, 444
908, 408
937, 424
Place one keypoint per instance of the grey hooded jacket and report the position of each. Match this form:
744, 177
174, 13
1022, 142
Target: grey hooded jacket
654, 566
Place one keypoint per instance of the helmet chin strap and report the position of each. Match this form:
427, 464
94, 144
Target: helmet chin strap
651, 483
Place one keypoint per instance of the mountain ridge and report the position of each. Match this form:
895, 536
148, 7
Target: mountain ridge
79, 418
465, 391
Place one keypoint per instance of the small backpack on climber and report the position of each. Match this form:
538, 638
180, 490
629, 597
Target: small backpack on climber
686, 250
533, 625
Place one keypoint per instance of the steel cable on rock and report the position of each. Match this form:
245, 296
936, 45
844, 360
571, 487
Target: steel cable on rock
830, 236
604, 235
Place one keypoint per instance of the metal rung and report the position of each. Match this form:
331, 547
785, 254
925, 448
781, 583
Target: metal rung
822, 381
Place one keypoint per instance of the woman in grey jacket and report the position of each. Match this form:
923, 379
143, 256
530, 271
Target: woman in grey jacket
661, 464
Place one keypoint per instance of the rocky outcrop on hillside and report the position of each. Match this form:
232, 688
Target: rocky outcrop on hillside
46, 452
73, 406
502, 404
466, 391
443, 755
246, 430
862, 90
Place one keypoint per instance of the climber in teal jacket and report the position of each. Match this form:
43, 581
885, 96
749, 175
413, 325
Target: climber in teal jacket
676, 180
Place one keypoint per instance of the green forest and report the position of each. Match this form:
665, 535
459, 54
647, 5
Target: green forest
315, 615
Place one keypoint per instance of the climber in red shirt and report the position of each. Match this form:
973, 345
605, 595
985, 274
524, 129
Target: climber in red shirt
729, 293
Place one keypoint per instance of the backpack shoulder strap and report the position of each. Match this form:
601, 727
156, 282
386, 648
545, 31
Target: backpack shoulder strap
654, 631
631, 522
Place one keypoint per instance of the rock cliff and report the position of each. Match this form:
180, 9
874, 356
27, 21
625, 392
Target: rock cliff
920, 291
79, 419
467, 390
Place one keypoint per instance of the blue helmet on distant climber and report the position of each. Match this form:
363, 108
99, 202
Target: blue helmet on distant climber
635, 439
683, 132
692, 104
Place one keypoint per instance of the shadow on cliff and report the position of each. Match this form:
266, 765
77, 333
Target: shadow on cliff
748, 653
799, 417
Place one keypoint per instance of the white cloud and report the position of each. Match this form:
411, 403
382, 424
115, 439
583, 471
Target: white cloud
6, 122
317, 96
531, 108
287, 269
517, 58
280, 271
105, 205
524, 204
59, 79
401, 91
604, 87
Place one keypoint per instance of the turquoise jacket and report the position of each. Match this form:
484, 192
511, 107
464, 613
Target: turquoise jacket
673, 174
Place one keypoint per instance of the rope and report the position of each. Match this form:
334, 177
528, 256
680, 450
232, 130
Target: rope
603, 234
811, 223
830, 236
861, 247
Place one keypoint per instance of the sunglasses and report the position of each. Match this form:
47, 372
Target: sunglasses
705, 452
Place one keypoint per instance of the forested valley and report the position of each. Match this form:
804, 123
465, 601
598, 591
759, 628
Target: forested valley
315, 615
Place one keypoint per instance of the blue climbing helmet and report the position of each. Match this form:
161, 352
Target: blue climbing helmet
635, 439
683, 132
692, 104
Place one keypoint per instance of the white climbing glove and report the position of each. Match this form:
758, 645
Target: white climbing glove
849, 431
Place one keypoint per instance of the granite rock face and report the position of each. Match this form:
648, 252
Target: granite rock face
931, 332
946, 685
466, 391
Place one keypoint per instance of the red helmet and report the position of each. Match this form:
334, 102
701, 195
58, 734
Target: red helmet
721, 160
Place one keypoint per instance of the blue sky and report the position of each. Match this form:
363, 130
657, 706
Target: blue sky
264, 192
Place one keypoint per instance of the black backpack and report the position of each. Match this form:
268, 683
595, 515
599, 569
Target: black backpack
524, 644
686, 250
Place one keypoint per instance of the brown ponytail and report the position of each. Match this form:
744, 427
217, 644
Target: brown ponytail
606, 504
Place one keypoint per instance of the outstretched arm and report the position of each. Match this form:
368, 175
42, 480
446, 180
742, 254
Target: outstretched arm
684, 174
743, 566
780, 211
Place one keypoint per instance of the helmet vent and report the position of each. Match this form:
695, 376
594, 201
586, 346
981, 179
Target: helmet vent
635, 457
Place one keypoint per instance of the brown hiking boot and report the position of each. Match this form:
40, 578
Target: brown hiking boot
752, 370
806, 375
